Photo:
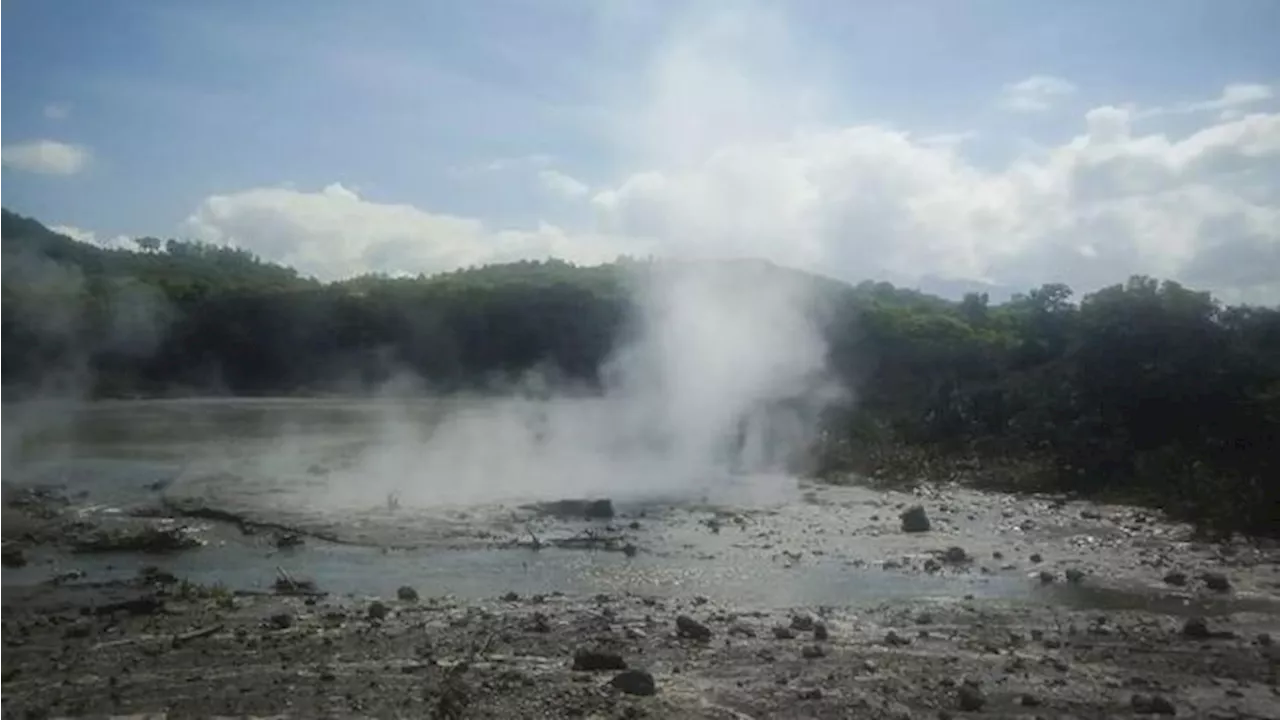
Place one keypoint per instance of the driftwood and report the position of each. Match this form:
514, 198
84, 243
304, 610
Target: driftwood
186, 637
588, 539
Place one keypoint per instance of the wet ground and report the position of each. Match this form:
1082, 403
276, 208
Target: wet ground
1006, 607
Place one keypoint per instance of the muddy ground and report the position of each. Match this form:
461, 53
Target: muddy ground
1132, 617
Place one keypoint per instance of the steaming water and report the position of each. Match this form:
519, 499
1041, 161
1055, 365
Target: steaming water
115, 452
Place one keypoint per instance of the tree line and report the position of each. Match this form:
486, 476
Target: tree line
1146, 389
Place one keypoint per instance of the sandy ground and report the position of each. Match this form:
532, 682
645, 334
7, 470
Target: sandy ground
1133, 617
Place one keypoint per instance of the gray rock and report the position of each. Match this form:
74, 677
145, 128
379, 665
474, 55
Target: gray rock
1075, 576
783, 632
742, 630
932, 566
1264, 639
1152, 705
593, 659
820, 631
802, 622
687, 627
894, 639
915, 520
955, 555
1196, 628
378, 610
1036, 557
1029, 700
1047, 577
1176, 579
634, 682
407, 594
970, 698
281, 621
1216, 581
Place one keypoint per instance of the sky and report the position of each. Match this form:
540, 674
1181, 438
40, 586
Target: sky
941, 145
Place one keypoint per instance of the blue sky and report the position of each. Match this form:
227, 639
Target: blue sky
1004, 142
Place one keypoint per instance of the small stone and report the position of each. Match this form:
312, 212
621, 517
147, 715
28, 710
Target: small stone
511, 596
932, 566
802, 622
869, 666
970, 698
378, 610
997, 555
592, 659
893, 638
742, 630
1196, 628
1036, 557
281, 621
820, 631
1264, 639
687, 627
407, 594
1090, 515
634, 682
635, 634
955, 555
1176, 579
915, 520
813, 652
1047, 577
1152, 705
1075, 576
13, 556
1216, 581
1029, 700
783, 632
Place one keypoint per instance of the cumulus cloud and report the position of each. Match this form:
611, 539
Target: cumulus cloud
562, 184
334, 233
46, 157
1230, 103
1035, 94
727, 149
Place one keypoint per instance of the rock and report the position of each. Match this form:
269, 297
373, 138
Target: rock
1216, 581
955, 555
281, 620
1264, 640
687, 627
894, 639
1176, 579
997, 555
378, 610
1047, 577
1090, 515
12, 556
1029, 700
1152, 705
820, 631
742, 630
932, 566
407, 594
539, 623
1036, 557
147, 539
1075, 576
915, 520
285, 541
634, 682
782, 632
630, 550
924, 618
601, 509
802, 622
1196, 628
970, 698
813, 652
593, 659
511, 596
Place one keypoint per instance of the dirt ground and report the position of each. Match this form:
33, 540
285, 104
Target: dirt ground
1148, 622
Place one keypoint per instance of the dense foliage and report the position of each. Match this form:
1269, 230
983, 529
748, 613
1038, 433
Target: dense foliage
1146, 389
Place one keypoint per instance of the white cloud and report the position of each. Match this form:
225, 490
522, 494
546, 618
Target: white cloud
89, 236
1230, 103
57, 111
335, 233
562, 184
727, 150
1035, 94
46, 157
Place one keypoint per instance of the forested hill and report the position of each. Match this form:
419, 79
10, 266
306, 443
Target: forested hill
1145, 386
